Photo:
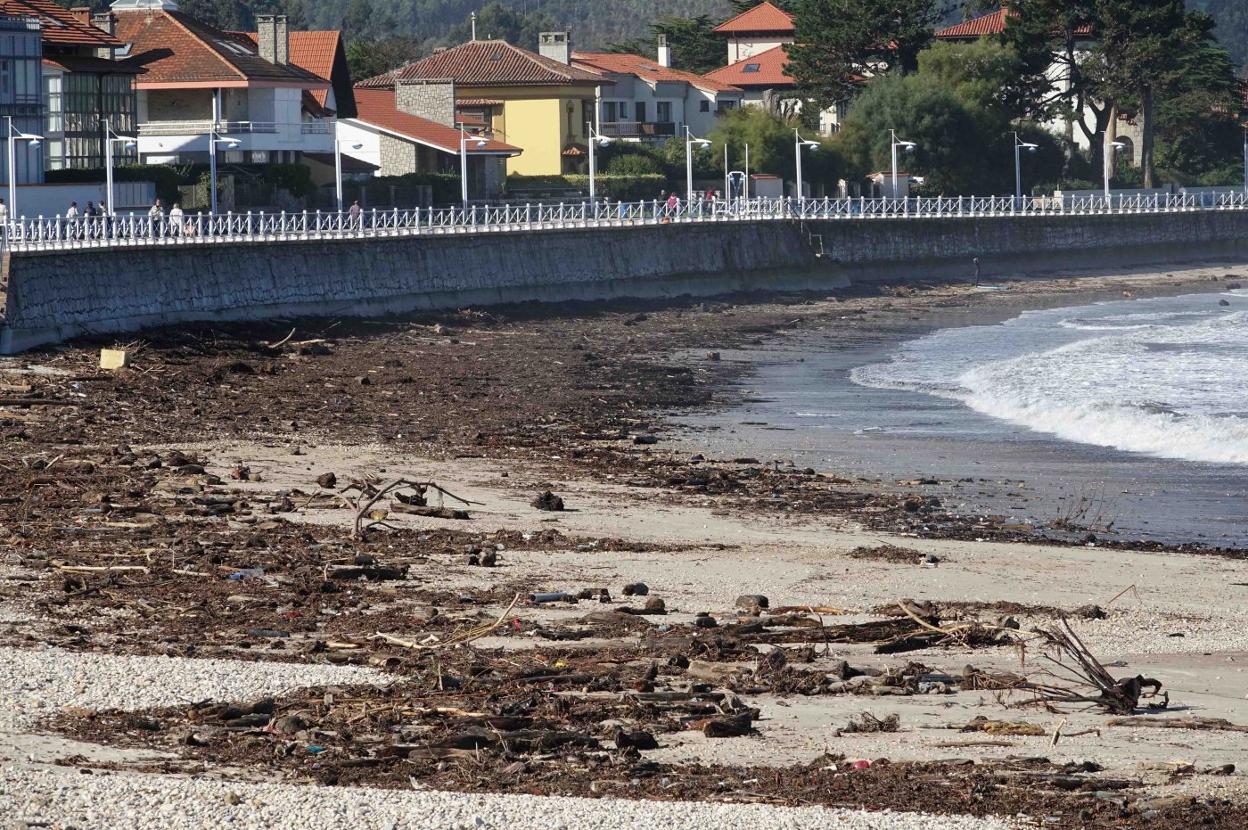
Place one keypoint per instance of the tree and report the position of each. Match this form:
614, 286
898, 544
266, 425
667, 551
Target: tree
367, 58
838, 41
496, 21
949, 153
1139, 42
770, 139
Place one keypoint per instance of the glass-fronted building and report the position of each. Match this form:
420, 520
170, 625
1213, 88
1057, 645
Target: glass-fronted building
21, 96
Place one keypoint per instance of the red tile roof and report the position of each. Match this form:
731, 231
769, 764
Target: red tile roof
764, 17
993, 23
766, 69
376, 107
644, 68
60, 26
487, 63
313, 51
178, 50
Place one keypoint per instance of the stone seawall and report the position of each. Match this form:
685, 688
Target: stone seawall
50, 297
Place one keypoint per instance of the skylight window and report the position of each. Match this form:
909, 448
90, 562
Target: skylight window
753, 67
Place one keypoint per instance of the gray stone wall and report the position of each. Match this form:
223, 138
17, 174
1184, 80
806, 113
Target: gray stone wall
54, 296
427, 98
398, 157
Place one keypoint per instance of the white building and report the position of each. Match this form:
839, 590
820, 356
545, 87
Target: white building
648, 99
196, 76
756, 30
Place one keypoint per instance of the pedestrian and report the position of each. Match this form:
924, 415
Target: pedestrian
155, 218
71, 221
673, 203
976, 263
72, 211
354, 213
4, 216
175, 219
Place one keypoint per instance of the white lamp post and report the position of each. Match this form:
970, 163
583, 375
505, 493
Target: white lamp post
1111, 153
798, 144
1019, 146
897, 142
595, 138
690, 140
213, 141
1246, 159
338, 170
110, 137
463, 162
14, 137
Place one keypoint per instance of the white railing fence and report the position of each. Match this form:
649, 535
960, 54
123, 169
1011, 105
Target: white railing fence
61, 233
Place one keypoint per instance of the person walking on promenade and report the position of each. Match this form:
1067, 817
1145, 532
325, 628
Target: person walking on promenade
175, 219
354, 214
156, 217
71, 221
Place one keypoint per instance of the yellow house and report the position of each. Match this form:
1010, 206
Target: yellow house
537, 102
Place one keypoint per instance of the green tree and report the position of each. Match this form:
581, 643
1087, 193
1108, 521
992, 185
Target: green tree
838, 41
367, 58
771, 142
496, 21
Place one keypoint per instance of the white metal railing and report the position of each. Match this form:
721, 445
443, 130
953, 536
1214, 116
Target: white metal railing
62, 233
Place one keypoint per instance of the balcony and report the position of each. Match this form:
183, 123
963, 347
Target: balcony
643, 130
176, 137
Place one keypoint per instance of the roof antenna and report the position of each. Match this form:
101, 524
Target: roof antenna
473, 18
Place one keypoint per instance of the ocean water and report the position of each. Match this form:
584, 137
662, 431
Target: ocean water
1164, 377
1130, 415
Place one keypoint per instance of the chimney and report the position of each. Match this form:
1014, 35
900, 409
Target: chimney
274, 38
82, 14
429, 98
105, 22
665, 53
555, 45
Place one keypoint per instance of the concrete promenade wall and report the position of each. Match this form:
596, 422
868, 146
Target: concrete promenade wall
54, 296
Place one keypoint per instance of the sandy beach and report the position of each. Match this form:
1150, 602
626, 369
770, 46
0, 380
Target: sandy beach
308, 572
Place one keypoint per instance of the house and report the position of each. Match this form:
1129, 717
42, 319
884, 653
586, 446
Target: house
198, 79
83, 86
993, 24
396, 142
648, 99
756, 30
538, 103
758, 64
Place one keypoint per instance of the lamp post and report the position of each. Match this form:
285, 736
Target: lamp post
338, 169
690, 140
13, 137
798, 144
111, 137
897, 142
213, 141
1019, 146
1111, 153
463, 162
1246, 158
595, 138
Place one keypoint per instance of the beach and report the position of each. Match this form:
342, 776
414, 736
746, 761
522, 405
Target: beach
191, 610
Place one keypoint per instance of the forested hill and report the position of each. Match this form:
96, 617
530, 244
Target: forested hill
594, 23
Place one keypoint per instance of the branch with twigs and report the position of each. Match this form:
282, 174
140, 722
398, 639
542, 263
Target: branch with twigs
368, 494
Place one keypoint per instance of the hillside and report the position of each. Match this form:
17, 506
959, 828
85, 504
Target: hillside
1232, 17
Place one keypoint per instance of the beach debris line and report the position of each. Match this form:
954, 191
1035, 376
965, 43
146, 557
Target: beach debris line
363, 496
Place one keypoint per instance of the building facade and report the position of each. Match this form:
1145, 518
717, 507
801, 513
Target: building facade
199, 82
756, 30
21, 95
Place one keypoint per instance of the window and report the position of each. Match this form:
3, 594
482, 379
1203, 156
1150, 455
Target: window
610, 112
725, 106
663, 112
753, 67
640, 109
704, 106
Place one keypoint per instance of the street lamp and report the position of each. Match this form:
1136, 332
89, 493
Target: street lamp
15, 136
1019, 146
338, 169
595, 138
690, 140
1110, 153
897, 142
463, 162
111, 137
213, 141
798, 144
1246, 159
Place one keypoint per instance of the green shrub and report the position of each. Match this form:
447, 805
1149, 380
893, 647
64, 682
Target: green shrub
633, 164
626, 188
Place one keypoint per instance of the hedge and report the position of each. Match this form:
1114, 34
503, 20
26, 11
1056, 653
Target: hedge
626, 188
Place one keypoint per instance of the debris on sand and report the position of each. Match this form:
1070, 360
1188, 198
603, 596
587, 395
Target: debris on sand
548, 501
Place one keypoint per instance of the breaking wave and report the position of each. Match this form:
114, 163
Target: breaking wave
1167, 378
